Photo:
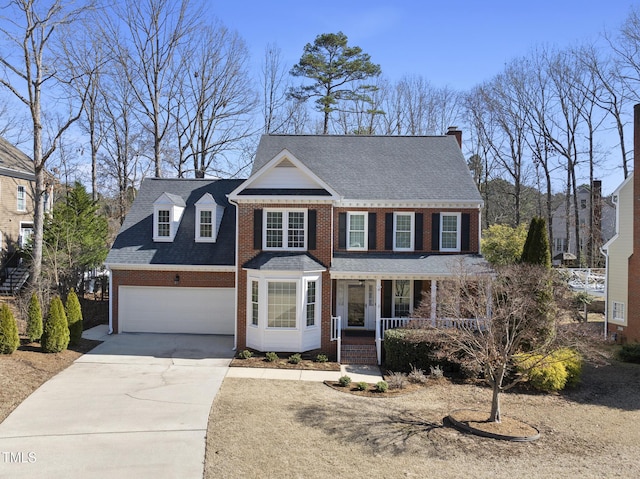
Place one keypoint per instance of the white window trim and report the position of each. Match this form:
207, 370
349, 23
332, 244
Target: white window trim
251, 302
458, 231
316, 304
156, 224
206, 239
411, 232
297, 302
615, 318
364, 247
285, 228
393, 297
24, 198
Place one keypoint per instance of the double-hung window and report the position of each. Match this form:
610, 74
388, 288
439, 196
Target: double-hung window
22, 198
281, 304
450, 232
164, 225
357, 228
311, 303
254, 303
618, 311
401, 298
285, 229
206, 224
403, 224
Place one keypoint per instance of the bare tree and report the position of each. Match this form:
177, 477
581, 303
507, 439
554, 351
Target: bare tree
215, 100
32, 28
146, 37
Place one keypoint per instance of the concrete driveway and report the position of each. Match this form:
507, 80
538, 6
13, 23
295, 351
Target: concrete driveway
136, 406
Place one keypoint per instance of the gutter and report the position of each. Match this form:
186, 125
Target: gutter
235, 296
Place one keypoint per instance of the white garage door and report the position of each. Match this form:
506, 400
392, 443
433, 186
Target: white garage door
176, 310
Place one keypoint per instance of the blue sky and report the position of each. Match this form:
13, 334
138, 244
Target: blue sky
451, 43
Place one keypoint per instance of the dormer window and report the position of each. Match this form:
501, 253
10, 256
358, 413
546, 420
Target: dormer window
167, 213
208, 218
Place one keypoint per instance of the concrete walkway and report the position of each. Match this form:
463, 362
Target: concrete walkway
137, 406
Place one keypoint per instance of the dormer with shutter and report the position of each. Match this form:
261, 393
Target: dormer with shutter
167, 213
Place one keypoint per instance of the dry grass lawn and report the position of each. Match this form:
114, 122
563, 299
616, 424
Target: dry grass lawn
294, 429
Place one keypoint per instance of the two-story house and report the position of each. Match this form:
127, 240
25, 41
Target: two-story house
357, 227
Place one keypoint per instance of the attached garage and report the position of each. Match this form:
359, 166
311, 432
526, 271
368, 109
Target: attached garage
156, 309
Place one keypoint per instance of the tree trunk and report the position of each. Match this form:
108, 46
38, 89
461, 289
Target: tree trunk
496, 415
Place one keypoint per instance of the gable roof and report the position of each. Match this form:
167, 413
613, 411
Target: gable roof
13, 162
134, 244
362, 167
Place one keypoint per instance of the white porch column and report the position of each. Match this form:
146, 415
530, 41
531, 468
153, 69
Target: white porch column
378, 322
434, 295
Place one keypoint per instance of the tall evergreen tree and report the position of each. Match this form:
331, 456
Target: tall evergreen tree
536, 247
337, 71
34, 319
9, 339
74, 318
55, 337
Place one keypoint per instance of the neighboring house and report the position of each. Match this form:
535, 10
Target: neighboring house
604, 219
357, 227
622, 305
17, 184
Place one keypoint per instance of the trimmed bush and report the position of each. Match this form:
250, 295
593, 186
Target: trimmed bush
572, 361
74, 318
630, 353
34, 319
271, 357
420, 349
322, 358
245, 354
362, 386
295, 358
55, 336
344, 381
9, 339
382, 386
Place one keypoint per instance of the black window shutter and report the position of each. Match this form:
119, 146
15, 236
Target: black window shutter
311, 223
388, 231
417, 293
435, 231
466, 232
372, 231
257, 229
387, 298
418, 243
342, 230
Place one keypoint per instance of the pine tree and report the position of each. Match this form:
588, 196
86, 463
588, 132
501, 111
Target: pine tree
74, 318
536, 247
34, 319
55, 337
9, 339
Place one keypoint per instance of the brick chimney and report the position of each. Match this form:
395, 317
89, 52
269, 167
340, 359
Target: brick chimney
453, 130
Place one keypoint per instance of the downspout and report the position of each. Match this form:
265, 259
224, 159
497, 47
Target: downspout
235, 296
606, 291
110, 331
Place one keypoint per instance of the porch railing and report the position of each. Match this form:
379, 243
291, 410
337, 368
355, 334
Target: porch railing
336, 332
383, 324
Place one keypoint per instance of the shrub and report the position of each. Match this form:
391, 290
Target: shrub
295, 358
382, 386
271, 357
321, 358
344, 381
9, 339
436, 372
630, 353
362, 386
74, 318
417, 376
397, 380
34, 319
245, 354
55, 335
553, 372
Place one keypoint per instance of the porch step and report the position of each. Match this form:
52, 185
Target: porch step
15, 280
358, 354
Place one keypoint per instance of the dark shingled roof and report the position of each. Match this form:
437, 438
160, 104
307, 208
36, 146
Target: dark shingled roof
380, 167
13, 162
282, 261
409, 264
134, 244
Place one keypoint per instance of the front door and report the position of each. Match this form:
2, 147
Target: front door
356, 308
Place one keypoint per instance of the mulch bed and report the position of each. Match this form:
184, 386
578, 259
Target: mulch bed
306, 364
371, 390
509, 429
